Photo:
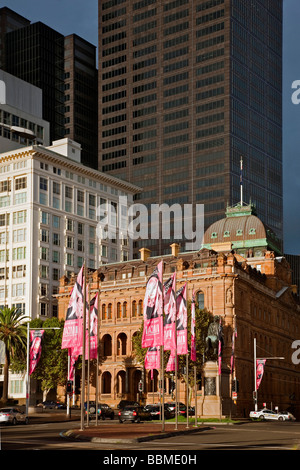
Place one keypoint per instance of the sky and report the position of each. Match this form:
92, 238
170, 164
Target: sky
81, 17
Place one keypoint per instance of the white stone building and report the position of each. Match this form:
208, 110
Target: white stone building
48, 223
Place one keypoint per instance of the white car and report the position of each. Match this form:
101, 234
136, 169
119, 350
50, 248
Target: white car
12, 415
266, 414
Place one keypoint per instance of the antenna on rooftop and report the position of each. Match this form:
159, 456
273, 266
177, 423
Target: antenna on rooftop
241, 179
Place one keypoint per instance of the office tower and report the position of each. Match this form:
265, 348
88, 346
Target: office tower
21, 122
80, 97
65, 69
9, 21
187, 88
35, 54
49, 224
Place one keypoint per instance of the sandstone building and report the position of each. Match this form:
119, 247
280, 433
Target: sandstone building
240, 275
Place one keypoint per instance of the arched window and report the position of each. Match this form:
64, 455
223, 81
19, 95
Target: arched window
119, 310
200, 300
109, 311
134, 309
103, 311
124, 310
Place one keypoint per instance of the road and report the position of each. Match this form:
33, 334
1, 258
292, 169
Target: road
247, 436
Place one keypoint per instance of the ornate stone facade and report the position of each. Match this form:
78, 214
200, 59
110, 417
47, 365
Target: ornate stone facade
253, 295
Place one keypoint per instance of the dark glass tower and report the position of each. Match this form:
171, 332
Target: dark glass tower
35, 54
187, 87
65, 69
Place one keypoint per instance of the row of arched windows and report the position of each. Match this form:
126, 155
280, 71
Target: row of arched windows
121, 310
134, 310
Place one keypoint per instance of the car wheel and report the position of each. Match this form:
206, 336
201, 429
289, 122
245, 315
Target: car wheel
14, 422
138, 420
121, 421
26, 421
280, 418
111, 416
261, 418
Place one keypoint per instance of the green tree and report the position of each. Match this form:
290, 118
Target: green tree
52, 368
13, 333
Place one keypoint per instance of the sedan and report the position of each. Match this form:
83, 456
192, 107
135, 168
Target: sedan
135, 414
155, 411
104, 411
13, 415
271, 415
51, 404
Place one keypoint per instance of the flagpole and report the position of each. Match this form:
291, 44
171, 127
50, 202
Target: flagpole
98, 346
89, 349
162, 357
187, 390
176, 361
83, 353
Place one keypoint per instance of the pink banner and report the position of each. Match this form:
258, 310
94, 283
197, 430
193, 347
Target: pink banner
153, 314
171, 362
193, 338
93, 328
73, 359
182, 344
35, 349
234, 335
220, 335
152, 359
72, 334
260, 367
170, 313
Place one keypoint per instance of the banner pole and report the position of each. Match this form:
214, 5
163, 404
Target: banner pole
89, 349
98, 348
162, 355
83, 354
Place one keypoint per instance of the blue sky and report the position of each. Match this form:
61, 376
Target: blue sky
81, 17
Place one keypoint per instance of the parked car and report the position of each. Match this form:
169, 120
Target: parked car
13, 415
124, 403
181, 408
155, 411
135, 414
51, 404
104, 411
266, 414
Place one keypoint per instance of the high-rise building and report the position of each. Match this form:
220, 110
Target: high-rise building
64, 68
35, 53
49, 223
187, 88
21, 111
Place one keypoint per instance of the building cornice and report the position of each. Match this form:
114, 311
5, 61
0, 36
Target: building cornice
55, 158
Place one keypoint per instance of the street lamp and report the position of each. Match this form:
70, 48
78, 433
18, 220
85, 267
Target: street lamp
27, 361
255, 372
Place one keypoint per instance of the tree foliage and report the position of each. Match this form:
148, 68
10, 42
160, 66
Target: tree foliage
52, 368
13, 334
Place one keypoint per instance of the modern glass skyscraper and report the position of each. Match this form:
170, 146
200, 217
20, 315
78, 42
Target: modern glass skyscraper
187, 88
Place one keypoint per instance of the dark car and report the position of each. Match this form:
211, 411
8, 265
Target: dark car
104, 411
135, 414
155, 411
124, 403
51, 404
181, 408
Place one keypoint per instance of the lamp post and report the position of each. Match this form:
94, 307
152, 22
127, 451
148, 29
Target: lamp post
27, 361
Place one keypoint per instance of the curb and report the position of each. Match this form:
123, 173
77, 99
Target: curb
72, 435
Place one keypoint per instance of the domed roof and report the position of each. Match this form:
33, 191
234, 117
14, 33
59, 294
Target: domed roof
242, 229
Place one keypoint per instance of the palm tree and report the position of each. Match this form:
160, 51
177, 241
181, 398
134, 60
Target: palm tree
13, 333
